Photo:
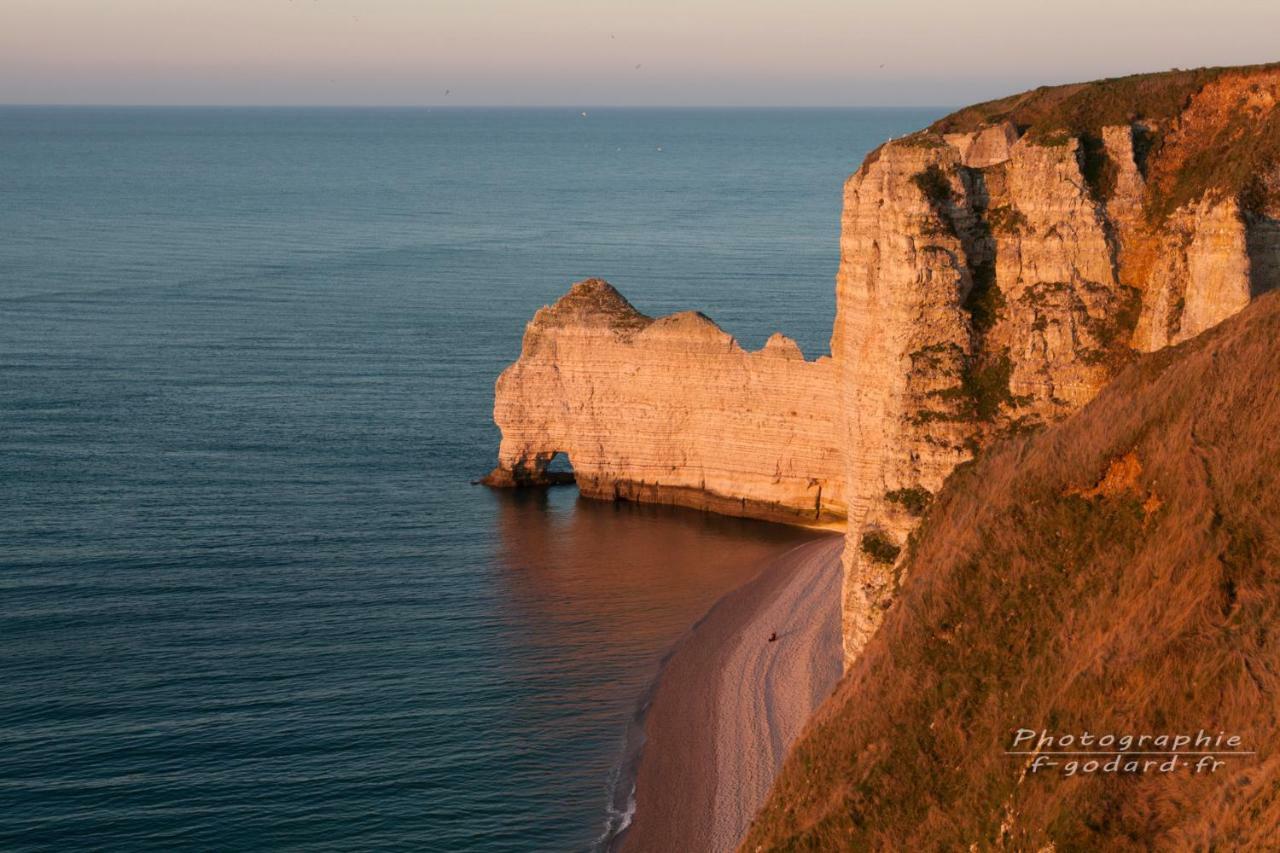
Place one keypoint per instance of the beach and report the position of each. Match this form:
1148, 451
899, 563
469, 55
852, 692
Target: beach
729, 702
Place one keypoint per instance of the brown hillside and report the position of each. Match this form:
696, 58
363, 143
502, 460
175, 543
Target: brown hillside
1086, 107
1118, 572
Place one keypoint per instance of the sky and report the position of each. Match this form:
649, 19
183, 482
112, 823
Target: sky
603, 52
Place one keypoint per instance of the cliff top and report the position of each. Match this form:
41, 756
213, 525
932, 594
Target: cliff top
1116, 573
592, 302
1082, 108
595, 303
1197, 132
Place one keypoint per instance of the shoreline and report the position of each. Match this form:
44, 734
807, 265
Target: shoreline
714, 727
657, 494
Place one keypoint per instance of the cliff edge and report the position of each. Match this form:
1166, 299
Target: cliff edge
1118, 574
996, 271
999, 267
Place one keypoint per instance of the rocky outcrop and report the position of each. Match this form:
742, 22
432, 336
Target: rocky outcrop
1201, 275
970, 302
670, 410
996, 271
1115, 575
994, 279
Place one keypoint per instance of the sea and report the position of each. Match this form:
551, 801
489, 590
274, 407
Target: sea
249, 595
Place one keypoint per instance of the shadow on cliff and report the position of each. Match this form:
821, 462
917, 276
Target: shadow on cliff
1263, 237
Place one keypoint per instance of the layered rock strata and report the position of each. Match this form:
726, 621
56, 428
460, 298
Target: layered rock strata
670, 410
996, 270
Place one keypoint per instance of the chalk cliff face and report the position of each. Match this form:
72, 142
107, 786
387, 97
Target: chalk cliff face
994, 279
996, 270
671, 410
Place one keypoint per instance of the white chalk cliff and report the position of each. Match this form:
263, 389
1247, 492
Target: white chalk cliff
671, 410
995, 272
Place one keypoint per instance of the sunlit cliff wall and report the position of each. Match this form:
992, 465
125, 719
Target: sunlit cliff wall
670, 410
996, 270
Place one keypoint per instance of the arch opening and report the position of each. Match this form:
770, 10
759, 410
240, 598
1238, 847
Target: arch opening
552, 468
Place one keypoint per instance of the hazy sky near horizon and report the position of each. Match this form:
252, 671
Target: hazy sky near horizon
598, 52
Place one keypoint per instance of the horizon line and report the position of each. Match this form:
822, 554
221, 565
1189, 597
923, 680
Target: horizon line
287, 106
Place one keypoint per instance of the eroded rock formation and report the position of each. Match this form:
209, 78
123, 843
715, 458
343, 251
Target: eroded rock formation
670, 410
996, 271
994, 277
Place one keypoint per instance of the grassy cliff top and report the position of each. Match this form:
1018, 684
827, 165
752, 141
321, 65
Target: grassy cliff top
1207, 131
1086, 108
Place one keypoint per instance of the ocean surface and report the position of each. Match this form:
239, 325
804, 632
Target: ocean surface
248, 595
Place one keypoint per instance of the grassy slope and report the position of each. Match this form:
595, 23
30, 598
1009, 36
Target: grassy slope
1088, 107
1028, 603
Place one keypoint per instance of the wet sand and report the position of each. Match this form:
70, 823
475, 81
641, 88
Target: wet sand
729, 703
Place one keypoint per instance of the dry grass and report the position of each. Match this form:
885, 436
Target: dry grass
1207, 130
1079, 108
1050, 587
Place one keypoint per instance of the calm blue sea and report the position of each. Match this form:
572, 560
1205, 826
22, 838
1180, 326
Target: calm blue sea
248, 597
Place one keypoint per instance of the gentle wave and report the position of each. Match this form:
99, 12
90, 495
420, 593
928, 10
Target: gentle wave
251, 599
